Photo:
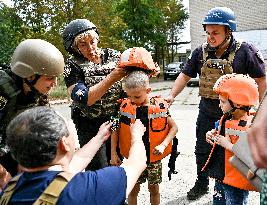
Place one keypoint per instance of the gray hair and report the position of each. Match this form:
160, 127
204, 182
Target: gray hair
136, 79
33, 136
82, 35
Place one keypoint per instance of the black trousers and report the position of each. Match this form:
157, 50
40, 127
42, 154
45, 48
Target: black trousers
87, 129
202, 149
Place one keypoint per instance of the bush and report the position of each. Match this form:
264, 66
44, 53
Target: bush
60, 91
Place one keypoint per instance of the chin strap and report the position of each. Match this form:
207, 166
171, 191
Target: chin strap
214, 49
42, 98
245, 108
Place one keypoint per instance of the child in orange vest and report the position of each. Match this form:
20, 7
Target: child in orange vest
237, 94
153, 113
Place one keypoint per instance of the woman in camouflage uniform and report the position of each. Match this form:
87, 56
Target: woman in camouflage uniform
92, 78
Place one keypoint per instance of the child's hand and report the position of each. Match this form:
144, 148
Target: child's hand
115, 160
224, 142
159, 149
210, 136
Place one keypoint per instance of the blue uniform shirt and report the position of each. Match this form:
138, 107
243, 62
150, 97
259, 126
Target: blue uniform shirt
247, 61
101, 187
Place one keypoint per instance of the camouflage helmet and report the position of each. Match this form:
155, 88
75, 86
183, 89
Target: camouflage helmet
73, 29
36, 56
220, 16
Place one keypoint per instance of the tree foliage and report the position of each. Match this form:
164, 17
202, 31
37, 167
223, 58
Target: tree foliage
121, 23
12, 30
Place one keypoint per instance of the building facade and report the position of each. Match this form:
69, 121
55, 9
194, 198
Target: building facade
250, 15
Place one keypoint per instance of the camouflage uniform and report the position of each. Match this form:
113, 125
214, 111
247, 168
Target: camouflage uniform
89, 118
153, 174
12, 102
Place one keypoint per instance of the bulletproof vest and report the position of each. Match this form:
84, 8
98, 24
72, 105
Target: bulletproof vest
9, 92
48, 197
212, 70
95, 73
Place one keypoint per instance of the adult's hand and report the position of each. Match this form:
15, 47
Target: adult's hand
117, 74
104, 131
137, 131
4, 177
257, 136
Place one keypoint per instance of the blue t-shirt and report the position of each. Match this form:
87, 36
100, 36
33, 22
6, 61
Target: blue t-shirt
105, 186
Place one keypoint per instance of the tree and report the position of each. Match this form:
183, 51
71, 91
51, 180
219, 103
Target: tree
12, 31
151, 23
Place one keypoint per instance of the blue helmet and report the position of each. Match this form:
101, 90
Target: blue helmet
220, 16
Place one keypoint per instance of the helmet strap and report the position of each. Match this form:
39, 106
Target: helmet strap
225, 41
31, 84
233, 108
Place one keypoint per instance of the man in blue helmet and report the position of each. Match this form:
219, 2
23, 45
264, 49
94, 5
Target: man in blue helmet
219, 55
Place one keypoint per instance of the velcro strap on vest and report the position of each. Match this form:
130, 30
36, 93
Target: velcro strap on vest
52, 192
126, 114
157, 115
239, 133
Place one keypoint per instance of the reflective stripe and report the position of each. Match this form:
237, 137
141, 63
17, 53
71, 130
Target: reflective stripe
150, 116
157, 115
238, 133
126, 114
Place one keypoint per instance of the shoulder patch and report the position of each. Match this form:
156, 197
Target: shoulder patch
3, 102
260, 56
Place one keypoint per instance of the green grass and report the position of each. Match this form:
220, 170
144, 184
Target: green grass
60, 91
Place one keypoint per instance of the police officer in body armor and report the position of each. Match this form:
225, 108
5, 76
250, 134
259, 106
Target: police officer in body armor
92, 78
34, 69
221, 54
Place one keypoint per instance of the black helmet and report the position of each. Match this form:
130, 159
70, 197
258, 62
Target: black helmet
73, 29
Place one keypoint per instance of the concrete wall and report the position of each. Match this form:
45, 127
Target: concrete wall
250, 15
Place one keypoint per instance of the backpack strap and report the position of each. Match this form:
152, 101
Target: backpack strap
52, 192
9, 190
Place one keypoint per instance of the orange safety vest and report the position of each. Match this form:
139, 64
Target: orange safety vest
234, 129
157, 113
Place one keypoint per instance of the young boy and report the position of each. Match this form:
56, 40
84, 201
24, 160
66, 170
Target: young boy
153, 113
237, 94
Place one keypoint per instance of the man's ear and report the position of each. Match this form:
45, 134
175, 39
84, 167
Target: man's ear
148, 90
64, 144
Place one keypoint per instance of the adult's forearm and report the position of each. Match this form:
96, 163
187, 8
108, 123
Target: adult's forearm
135, 164
179, 84
261, 86
83, 156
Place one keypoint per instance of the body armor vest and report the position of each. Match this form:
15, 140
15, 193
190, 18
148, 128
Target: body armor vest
48, 197
212, 70
10, 92
95, 73
157, 126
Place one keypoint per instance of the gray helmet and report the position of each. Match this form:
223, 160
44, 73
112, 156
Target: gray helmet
220, 16
73, 29
36, 56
